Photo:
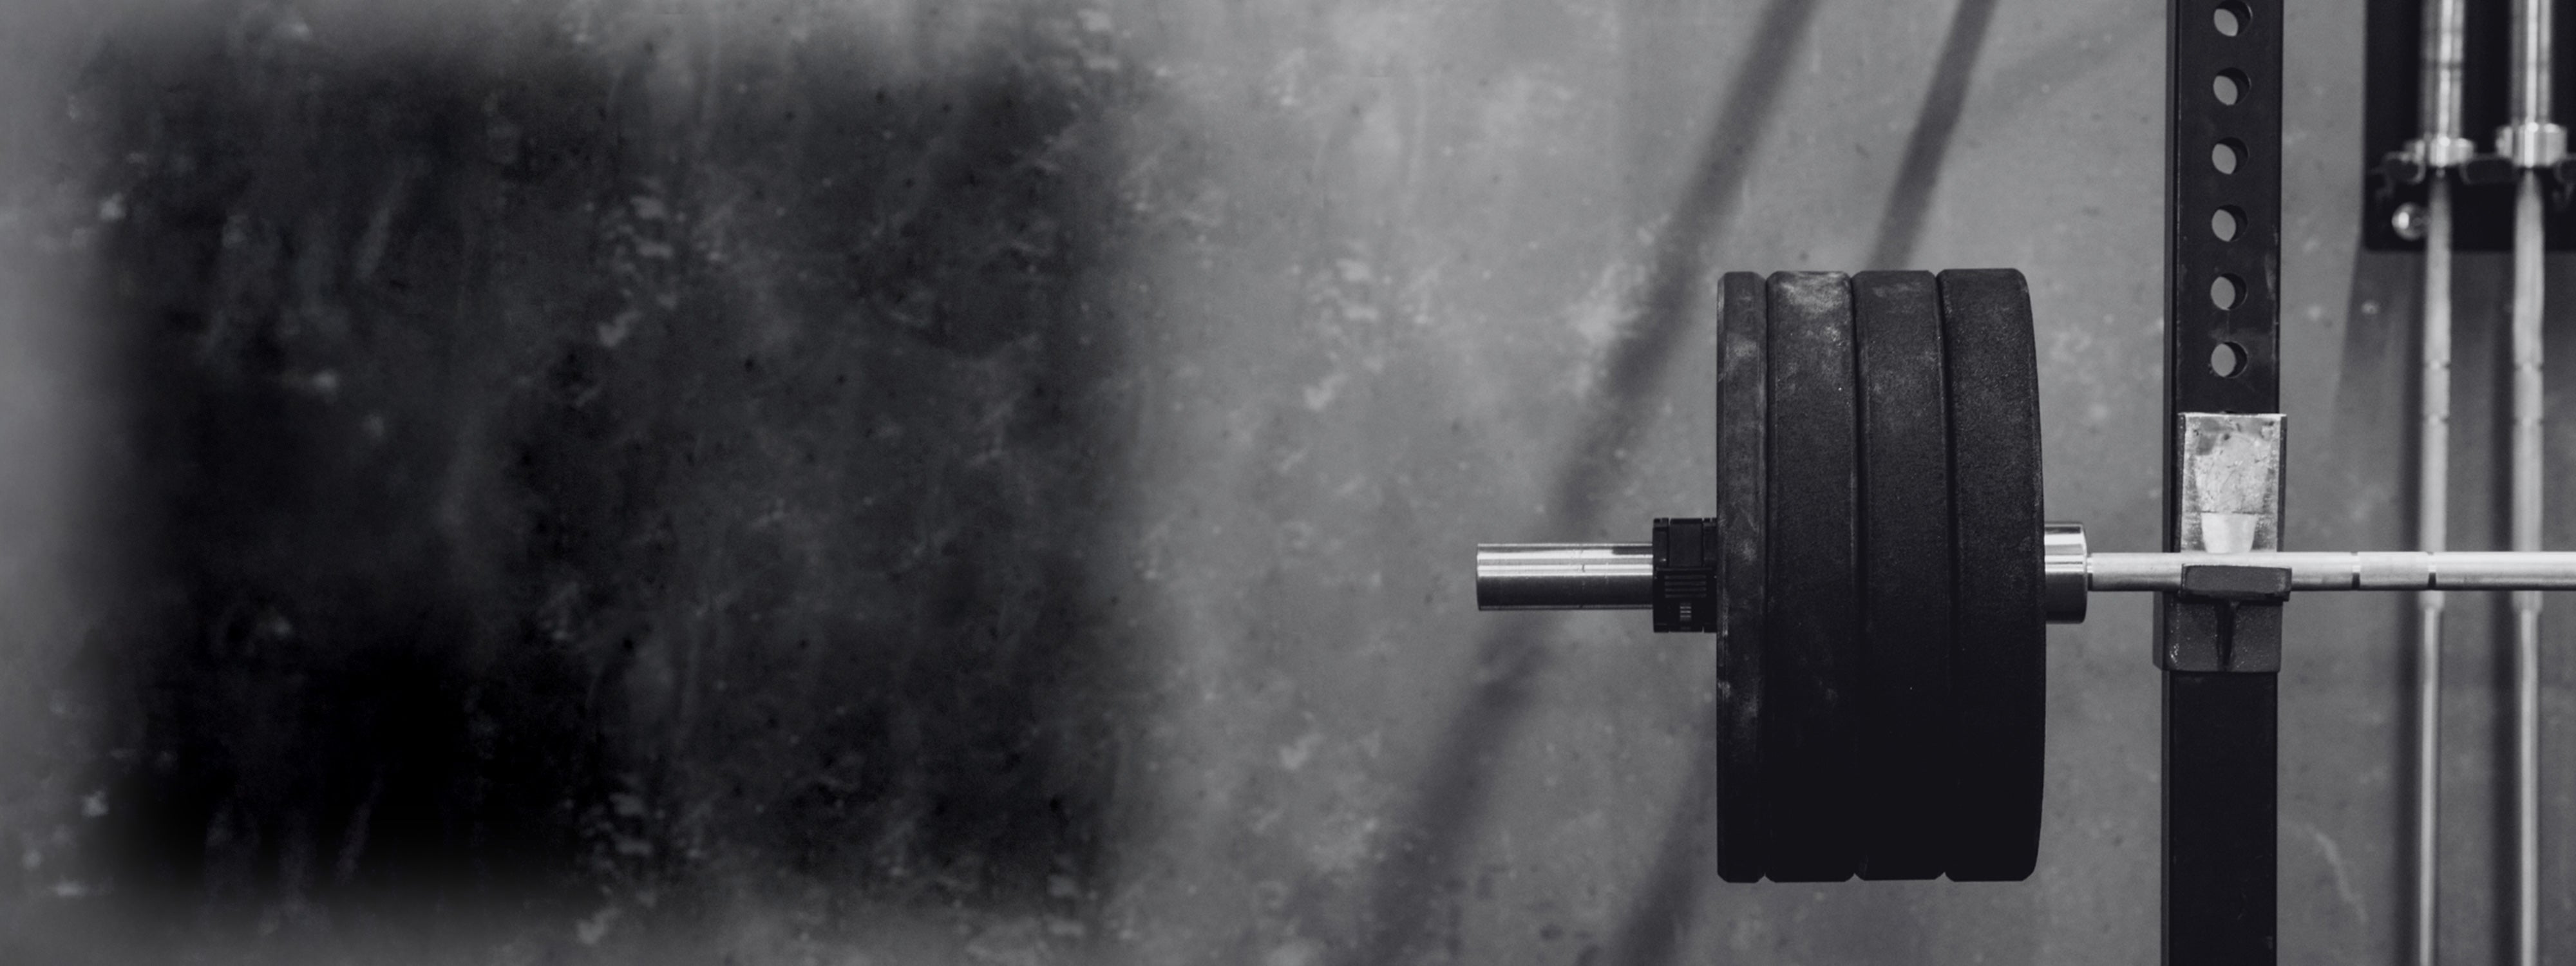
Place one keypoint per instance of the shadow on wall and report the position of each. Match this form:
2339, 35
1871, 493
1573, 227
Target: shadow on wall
568, 456
1414, 890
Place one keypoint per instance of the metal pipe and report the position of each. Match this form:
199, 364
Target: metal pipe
2347, 570
1620, 576
2445, 47
2440, 147
1565, 576
2531, 61
2529, 139
2432, 532
2527, 428
2531, 142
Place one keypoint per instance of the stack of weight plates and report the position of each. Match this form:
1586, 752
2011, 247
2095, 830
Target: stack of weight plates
1881, 655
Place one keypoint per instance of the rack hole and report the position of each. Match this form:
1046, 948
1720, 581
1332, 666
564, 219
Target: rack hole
2223, 222
2225, 154
2226, 290
2227, 358
2230, 18
2228, 86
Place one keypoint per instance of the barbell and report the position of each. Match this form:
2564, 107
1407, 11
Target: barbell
1880, 576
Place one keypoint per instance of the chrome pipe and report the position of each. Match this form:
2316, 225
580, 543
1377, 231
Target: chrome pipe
1565, 576
2445, 50
2531, 56
2531, 141
2439, 147
1620, 576
2528, 138
2315, 570
2526, 517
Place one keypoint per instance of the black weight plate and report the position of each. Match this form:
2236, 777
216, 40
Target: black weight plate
1810, 652
1903, 706
1999, 664
1743, 390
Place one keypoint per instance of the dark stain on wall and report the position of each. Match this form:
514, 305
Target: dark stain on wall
573, 456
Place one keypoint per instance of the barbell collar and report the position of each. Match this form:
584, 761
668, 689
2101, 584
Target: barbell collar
2064, 584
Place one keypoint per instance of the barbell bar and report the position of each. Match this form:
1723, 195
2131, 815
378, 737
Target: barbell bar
1620, 576
1879, 575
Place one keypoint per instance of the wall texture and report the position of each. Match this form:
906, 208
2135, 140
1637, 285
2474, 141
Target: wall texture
893, 481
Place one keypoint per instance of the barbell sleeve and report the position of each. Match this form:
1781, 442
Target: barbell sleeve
1564, 576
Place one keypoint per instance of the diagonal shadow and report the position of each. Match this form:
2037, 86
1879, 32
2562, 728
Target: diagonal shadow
1910, 199
1652, 930
1428, 840
1683, 862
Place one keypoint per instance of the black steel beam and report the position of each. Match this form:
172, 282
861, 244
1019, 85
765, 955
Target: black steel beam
2222, 297
2220, 803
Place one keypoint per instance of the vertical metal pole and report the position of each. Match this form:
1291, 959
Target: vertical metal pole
2531, 142
2528, 540
2438, 106
2432, 529
2440, 148
2526, 536
2221, 750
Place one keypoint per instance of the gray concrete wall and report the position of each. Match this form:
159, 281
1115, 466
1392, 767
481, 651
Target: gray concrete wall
992, 482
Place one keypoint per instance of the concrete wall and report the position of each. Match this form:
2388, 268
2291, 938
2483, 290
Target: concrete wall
993, 482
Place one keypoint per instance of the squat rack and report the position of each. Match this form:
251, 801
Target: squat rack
2221, 575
